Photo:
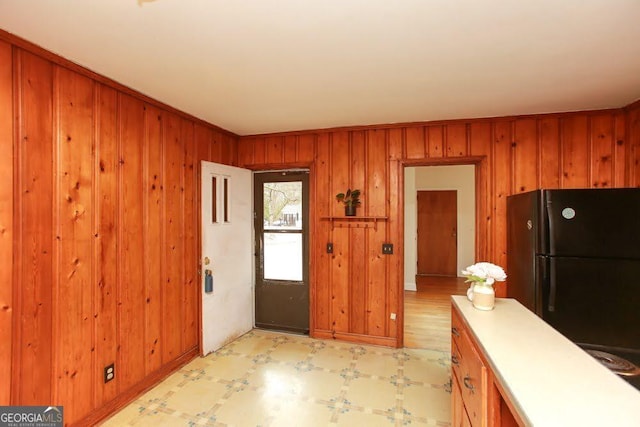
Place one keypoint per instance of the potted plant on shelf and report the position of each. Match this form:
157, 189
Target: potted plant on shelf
482, 276
350, 199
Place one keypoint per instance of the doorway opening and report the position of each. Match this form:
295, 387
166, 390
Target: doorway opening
281, 224
439, 241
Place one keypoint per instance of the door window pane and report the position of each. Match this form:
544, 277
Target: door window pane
283, 256
214, 199
282, 203
226, 199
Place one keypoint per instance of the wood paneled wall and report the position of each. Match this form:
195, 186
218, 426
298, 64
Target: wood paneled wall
6, 222
99, 227
633, 126
356, 290
99, 234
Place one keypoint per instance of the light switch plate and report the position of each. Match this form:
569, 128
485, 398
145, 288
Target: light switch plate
387, 248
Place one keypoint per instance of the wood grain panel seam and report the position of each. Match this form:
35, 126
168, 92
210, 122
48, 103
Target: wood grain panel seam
614, 152
332, 321
403, 138
119, 237
538, 173
512, 157
18, 236
8, 232
612, 147
55, 324
183, 219
538, 153
561, 153
145, 229
629, 176
590, 146
367, 241
468, 137
94, 235
445, 141
427, 141
163, 231
387, 260
350, 318
492, 194
628, 142
95, 230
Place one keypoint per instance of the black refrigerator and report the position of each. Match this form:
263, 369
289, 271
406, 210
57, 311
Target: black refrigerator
574, 260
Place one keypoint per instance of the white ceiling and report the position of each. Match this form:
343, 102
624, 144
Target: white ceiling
258, 66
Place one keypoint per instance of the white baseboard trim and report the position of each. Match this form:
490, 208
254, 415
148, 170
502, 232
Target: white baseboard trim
409, 286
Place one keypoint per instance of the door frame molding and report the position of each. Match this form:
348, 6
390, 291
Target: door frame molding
482, 213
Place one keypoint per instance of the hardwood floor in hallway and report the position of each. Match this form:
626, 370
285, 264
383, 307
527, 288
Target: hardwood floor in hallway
427, 312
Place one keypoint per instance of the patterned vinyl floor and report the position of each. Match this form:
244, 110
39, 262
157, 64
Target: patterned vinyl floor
274, 379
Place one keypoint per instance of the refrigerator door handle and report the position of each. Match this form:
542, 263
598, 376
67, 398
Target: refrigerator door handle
552, 285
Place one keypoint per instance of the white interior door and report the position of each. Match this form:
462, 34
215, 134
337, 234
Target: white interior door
227, 255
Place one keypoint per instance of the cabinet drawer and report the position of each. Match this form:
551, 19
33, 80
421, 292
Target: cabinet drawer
456, 328
459, 417
456, 360
473, 383
470, 372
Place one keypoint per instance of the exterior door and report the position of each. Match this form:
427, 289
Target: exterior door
227, 307
282, 250
437, 233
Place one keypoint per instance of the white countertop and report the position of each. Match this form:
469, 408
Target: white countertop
550, 380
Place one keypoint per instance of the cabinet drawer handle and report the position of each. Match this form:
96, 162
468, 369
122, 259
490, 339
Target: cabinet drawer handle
454, 360
467, 384
454, 332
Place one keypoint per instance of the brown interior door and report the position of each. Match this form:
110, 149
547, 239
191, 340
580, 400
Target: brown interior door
437, 233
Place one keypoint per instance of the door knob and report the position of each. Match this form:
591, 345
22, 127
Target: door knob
207, 261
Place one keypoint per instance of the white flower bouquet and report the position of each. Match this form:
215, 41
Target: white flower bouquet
482, 276
484, 273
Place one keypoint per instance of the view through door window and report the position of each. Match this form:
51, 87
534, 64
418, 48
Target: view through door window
282, 204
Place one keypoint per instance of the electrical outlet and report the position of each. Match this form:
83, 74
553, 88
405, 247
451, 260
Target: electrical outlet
329, 248
387, 248
109, 372
393, 316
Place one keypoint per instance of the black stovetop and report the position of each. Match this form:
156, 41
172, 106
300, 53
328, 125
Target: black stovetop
632, 355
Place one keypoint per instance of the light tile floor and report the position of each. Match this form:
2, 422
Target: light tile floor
274, 379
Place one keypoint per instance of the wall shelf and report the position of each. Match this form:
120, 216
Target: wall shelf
354, 221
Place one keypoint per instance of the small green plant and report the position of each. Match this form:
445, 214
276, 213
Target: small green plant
350, 198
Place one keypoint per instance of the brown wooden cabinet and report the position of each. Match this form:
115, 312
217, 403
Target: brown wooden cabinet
476, 400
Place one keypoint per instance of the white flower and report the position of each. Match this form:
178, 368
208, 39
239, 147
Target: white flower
484, 273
